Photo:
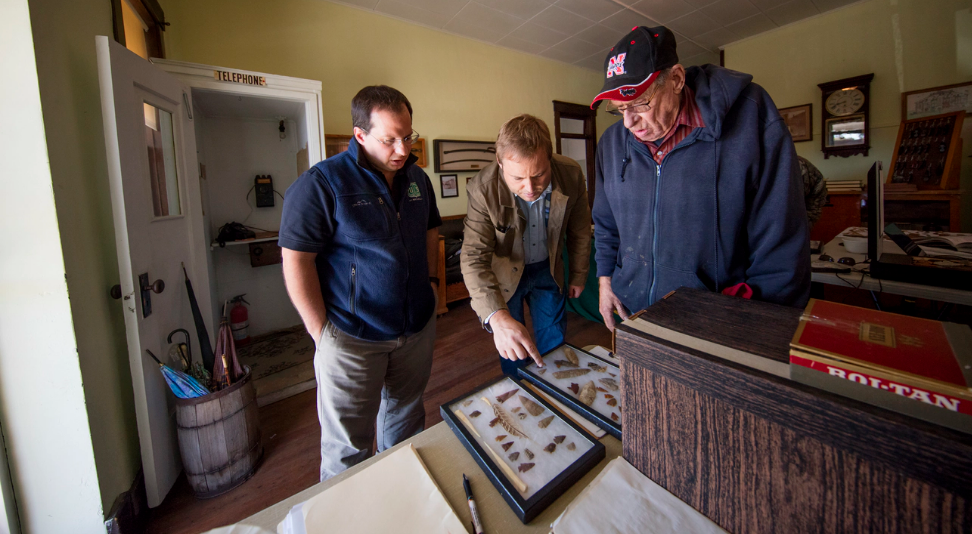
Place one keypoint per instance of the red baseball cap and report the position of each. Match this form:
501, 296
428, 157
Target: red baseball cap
633, 64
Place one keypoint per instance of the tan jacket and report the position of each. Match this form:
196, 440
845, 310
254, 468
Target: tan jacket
492, 246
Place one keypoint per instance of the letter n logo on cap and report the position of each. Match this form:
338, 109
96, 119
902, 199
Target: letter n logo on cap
616, 65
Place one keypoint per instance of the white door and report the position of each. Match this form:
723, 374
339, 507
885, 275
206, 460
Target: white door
157, 212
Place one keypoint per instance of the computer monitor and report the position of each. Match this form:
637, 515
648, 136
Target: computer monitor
951, 273
875, 212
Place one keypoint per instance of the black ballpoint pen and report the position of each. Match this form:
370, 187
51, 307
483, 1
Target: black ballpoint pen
477, 524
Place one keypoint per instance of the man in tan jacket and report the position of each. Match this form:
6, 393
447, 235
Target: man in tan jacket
522, 209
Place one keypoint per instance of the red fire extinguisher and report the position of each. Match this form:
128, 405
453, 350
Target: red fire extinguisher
239, 320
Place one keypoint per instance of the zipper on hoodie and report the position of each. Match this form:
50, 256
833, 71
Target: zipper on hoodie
354, 283
654, 231
654, 218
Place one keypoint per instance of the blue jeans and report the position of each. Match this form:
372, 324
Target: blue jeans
547, 303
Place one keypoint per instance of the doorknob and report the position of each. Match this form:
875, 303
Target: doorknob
115, 291
156, 287
147, 289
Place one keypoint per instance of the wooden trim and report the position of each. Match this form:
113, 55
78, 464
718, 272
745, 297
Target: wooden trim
118, 22
152, 15
154, 10
589, 117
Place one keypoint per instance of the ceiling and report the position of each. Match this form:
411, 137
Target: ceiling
218, 104
581, 32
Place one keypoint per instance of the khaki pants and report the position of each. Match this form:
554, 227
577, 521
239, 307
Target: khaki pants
362, 385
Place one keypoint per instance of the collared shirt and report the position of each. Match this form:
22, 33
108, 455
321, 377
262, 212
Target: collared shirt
535, 237
689, 118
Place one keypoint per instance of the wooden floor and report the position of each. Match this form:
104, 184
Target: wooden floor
465, 357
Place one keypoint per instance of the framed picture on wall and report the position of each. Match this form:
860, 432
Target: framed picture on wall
450, 185
799, 119
419, 150
936, 101
463, 156
335, 144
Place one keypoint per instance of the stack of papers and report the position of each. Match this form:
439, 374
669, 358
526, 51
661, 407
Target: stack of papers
622, 500
396, 494
844, 185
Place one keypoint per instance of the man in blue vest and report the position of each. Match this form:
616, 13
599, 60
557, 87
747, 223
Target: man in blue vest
359, 234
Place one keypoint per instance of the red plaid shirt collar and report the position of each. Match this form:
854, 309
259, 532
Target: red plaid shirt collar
689, 118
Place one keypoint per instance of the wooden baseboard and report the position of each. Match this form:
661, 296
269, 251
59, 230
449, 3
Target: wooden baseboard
130, 512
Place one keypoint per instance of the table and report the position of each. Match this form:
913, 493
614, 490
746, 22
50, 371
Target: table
859, 280
447, 460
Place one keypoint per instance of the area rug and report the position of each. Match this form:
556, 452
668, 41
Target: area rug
282, 363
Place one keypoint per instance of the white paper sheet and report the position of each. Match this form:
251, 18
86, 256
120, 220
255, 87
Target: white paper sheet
238, 529
621, 500
396, 494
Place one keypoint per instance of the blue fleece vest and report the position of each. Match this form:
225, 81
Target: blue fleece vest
371, 258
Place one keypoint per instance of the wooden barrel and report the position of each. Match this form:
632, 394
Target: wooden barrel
219, 437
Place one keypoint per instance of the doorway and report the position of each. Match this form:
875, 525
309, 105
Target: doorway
246, 142
170, 201
575, 134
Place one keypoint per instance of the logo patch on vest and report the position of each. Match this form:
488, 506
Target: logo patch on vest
616, 65
413, 191
361, 203
628, 92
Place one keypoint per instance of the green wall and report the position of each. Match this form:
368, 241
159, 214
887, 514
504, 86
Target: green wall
68, 76
459, 88
907, 44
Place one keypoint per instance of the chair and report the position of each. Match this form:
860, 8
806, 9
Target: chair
451, 285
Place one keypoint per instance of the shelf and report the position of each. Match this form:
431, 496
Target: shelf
261, 237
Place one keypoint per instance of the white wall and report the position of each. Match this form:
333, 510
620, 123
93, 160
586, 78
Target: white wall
42, 405
235, 151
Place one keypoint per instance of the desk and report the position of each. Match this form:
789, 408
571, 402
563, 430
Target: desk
859, 280
447, 460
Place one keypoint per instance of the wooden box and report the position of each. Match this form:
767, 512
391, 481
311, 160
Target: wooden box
265, 253
736, 439
526, 497
599, 413
928, 152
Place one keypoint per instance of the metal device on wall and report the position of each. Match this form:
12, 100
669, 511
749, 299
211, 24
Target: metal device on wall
263, 185
846, 116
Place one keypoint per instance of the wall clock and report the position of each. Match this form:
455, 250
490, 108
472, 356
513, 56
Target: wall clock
846, 116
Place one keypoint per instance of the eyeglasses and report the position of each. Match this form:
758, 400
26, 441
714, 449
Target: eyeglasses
636, 108
393, 141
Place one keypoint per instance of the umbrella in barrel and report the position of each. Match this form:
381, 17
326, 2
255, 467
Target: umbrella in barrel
204, 347
226, 358
181, 384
